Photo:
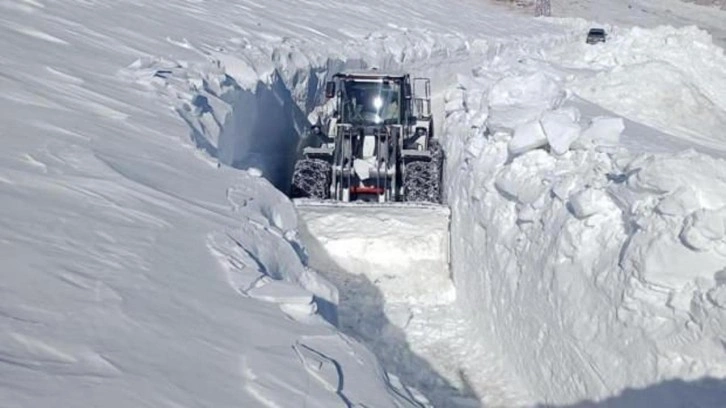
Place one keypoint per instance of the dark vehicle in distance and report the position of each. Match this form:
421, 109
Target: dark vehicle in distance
596, 35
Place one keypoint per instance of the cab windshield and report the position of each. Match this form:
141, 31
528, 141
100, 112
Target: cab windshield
371, 103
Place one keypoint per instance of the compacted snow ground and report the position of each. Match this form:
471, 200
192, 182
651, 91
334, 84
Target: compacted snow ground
149, 261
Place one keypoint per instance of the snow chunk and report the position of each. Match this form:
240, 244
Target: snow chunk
527, 136
254, 172
454, 101
523, 180
560, 129
588, 202
276, 291
682, 201
556, 128
603, 131
666, 262
677, 176
703, 229
717, 296
517, 100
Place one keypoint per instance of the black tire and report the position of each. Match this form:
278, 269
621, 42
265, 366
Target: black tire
311, 179
421, 182
422, 179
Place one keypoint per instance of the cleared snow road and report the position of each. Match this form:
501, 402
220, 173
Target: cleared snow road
391, 265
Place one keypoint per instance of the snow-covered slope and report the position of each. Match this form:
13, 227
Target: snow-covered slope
142, 267
647, 14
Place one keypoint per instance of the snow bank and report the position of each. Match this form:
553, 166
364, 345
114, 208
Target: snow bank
592, 268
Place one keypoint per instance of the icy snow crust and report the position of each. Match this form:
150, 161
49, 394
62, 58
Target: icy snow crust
142, 269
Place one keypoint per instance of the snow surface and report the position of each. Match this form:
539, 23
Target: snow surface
647, 14
148, 259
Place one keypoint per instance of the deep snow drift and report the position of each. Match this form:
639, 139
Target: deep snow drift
140, 269
595, 265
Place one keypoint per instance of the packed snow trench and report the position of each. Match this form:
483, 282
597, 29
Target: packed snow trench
390, 264
151, 257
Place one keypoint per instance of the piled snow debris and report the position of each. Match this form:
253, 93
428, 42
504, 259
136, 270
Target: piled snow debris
599, 268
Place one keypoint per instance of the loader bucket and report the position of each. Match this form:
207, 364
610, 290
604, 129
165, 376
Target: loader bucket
402, 246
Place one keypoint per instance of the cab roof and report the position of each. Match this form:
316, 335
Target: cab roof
370, 74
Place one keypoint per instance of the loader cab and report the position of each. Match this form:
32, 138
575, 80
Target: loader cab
370, 99
373, 103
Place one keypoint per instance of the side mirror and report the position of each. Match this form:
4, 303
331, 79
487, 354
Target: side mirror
330, 89
407, 91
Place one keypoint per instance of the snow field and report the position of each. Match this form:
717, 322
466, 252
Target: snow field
145, 278
133, 270
667, 78
646, 14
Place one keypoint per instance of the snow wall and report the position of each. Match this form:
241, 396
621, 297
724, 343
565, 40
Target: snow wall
594, 268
